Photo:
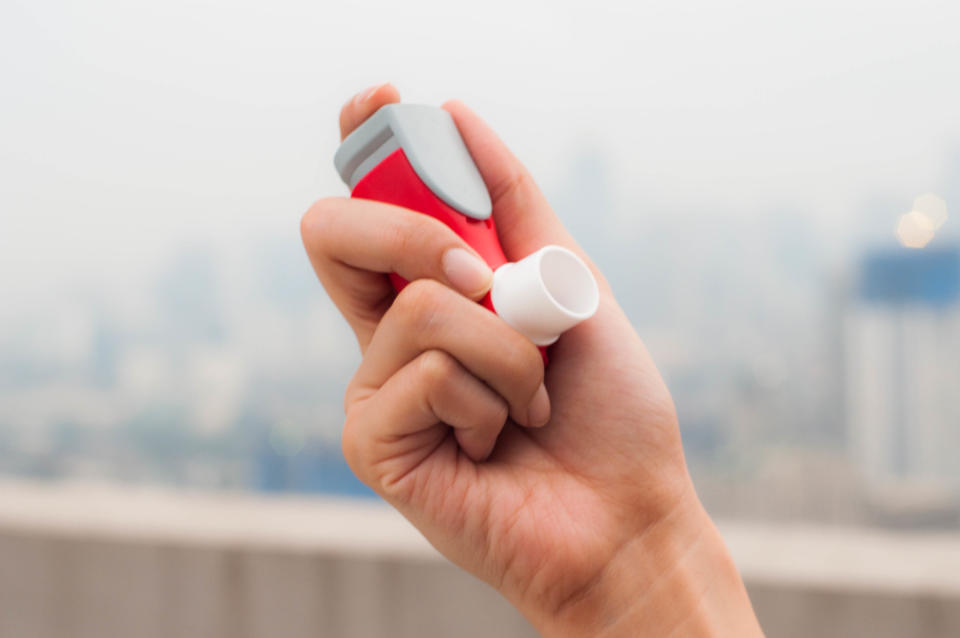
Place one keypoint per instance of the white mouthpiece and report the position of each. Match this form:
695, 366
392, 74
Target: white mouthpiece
545, 294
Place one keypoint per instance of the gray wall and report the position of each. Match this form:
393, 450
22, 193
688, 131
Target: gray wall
126, 564
81, 587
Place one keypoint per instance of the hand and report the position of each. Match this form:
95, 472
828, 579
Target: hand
568, 493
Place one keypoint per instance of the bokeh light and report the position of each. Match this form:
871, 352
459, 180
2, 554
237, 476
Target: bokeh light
915, 230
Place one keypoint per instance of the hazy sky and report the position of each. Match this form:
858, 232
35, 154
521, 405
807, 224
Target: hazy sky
128, 128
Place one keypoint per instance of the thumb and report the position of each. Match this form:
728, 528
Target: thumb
525, 221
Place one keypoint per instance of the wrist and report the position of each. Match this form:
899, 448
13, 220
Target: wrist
675, 577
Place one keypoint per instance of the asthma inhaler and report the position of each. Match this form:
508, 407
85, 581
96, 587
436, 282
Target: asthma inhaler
412, 155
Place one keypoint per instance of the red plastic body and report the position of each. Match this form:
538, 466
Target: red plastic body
394, 181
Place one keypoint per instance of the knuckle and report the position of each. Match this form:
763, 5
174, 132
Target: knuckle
516, 181
402, 233
419, 303
316, 221
437, 367
413, 232
421, 227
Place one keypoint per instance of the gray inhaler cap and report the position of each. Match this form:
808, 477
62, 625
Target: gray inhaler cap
430, 140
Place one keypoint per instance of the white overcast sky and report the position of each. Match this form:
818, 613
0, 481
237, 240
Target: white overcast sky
128, 127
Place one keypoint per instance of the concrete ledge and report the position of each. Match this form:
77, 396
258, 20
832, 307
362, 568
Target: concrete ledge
229, 520
95, 560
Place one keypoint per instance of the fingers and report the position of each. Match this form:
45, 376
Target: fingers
525, 220
353, 242
428, 316
364, 104
405, 421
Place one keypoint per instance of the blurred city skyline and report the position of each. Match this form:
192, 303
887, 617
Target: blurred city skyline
160, 319
136, 128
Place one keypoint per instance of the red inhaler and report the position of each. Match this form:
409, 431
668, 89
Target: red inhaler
412, 156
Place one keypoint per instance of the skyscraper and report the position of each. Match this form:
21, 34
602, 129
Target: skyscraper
902, 369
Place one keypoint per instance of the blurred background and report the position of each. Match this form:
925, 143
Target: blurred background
773, 190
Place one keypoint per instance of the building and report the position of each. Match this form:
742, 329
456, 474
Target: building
902, 371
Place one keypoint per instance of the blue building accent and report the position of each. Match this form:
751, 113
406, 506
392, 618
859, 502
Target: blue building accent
928, 277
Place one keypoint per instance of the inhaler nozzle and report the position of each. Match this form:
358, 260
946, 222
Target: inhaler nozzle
545, 293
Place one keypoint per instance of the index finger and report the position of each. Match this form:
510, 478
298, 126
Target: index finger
525, 220
354, 243
364, 104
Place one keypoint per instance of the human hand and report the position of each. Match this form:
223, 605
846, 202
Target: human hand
566, 491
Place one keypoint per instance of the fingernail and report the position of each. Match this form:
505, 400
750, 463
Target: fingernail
539, 411
468, 273
363, 96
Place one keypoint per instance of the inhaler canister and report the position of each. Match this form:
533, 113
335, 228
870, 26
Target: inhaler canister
413, 156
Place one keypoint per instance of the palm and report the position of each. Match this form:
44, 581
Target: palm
539, 496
